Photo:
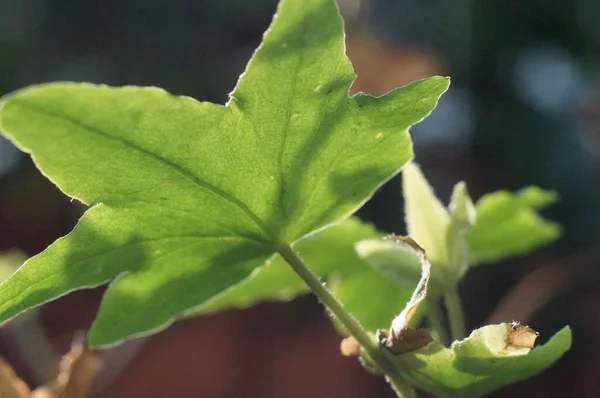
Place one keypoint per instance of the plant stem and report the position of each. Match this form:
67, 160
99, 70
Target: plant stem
367, 341
400, 387
435, 318
455, 314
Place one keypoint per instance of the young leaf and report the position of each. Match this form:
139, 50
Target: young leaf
191, 197
499, 226
462, 218
426, 217
490, 358
391, 259
508, 224
443, 232
396, 262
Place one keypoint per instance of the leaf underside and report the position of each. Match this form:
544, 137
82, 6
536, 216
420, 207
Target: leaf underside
479, 364
426, 218
508, 224
371, 297
188, 198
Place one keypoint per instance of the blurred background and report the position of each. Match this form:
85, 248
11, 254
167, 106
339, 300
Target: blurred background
524, 108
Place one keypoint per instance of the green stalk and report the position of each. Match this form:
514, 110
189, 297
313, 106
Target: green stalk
436, 321
455, 314
366, 340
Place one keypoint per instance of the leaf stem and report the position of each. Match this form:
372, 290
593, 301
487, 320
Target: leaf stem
455, 314
401, 389
366, 340
435, 318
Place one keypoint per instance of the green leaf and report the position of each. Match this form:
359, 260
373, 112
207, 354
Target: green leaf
536, 197
441, 232
508, 224
427, 220
462, 211
190, 197
462, 218
396, 262
499, 226
370, 297
481, 363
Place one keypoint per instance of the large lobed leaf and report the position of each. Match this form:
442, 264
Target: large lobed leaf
190, 197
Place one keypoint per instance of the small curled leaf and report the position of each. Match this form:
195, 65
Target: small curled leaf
401, 338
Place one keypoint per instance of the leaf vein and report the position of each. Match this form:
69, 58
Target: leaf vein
32, 286
178, 169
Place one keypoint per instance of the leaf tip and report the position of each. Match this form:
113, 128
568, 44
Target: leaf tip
461, 206
564, 335
443, 81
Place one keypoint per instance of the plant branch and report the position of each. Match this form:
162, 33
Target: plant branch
455, 314
401, 388
366, 340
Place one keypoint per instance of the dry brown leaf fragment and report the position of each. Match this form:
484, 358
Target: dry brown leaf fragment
408, 340
518, 338
77, 371
11, 386
401, 339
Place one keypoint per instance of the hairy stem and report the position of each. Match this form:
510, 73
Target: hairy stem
401, 389
455, 314
367, 341
436, 320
